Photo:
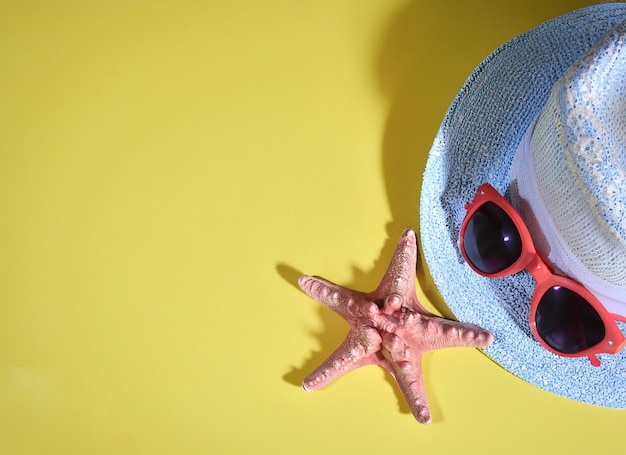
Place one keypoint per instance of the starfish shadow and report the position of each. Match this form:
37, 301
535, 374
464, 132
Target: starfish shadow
420, 65
332, 334
335, 328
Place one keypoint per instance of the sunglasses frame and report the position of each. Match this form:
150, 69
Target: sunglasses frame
545, 278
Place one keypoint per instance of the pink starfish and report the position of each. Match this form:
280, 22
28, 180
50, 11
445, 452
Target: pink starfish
389, 328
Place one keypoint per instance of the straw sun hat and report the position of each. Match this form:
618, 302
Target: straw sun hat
543, 120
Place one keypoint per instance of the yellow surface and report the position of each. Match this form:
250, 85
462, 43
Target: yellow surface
168, 168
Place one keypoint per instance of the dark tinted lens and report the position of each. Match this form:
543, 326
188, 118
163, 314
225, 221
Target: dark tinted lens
492, 242
567, 322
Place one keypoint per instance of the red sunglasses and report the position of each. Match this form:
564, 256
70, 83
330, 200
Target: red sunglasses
564, 316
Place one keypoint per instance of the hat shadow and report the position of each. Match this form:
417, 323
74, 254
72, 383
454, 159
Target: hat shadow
420, 65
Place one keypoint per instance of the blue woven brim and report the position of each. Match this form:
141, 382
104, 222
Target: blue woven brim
476, 144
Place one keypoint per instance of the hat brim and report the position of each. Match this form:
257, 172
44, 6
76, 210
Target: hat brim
476, 144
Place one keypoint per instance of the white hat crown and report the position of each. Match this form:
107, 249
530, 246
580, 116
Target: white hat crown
571, 171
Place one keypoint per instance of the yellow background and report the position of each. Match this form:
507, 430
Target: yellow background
168, 169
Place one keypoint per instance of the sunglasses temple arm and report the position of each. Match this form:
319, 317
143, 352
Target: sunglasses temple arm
594, 360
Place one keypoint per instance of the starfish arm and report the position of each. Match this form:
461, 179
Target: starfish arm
432, 332
399, 279
407, 371
341, 300
361, 347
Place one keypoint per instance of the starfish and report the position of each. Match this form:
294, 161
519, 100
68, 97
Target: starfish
389, 328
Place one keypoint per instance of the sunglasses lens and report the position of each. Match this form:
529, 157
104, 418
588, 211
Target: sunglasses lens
567, 322
491, 242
